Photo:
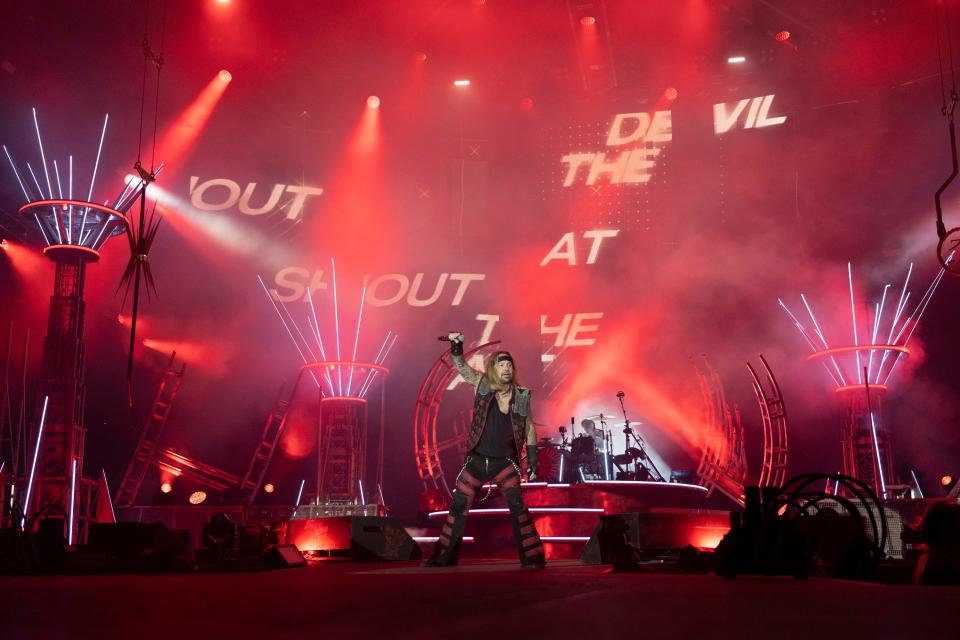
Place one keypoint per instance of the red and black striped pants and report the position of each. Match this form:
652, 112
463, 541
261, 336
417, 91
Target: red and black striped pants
477, 471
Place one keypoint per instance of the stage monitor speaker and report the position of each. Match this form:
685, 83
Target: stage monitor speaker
139, 545
358, 538
283, 556
656, 530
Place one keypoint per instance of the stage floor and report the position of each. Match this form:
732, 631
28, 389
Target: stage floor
405, 601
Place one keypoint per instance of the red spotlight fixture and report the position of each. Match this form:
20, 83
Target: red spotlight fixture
269, 488
3, 244
671, 93
588, 21
461, 83
223, 1
197, 497
782, 36
166, 487
373, 102
946, 480
225, 76
526, 103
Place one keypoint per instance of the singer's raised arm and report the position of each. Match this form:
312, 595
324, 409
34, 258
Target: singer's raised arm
469, 374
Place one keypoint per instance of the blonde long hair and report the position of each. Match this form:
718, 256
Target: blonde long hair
490, 372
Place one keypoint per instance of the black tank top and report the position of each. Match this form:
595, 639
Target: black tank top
497, 438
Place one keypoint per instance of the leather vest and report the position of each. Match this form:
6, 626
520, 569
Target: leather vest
519, 410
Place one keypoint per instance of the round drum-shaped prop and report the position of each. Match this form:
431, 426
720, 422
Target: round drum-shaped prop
948, 250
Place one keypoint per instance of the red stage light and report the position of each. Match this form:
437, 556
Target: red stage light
373, 102
946, 480
166, 487
588, 21
223, 1
3, 245
197, 497
527, 103
225, 76
782, 36
178, 139
671, 93
268, 488
461, 83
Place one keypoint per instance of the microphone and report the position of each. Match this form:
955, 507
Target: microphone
620, 394
447, 337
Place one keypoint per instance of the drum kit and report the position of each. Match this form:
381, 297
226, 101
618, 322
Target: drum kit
589, 455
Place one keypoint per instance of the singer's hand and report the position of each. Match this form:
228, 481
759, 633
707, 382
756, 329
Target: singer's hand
456, 343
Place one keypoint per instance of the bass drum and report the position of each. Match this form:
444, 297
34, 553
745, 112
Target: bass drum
583, 449
551, 460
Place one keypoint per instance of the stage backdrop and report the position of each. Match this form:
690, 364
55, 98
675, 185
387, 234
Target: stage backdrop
608, 237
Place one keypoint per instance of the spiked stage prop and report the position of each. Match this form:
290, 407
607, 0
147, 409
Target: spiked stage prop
343, 386
860, 373
72, 233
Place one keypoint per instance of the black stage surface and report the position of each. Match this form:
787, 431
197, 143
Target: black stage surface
495, 598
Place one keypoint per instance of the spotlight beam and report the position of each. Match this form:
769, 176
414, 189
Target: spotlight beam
893, 337
40, 191
921, 306
43, 158
876, 449
316, 330
336, 323
382, 360
356, 340
16, 173
822, 338
853, 311
900, 304
70, 194
106, 484
376, 360
96, 164
916, 483
876, 327
299, 495
303, 339
56, 171
46, 240
289, 333
33, 466
803, 332
73, 494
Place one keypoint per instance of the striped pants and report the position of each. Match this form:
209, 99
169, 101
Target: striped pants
477, 471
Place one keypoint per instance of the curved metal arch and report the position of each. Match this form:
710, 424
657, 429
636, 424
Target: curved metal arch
773, 411
723, 465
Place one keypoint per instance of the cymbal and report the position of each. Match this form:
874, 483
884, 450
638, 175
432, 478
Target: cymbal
606, 417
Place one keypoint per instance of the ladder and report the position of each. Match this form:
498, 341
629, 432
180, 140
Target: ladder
143, 455
272, 430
